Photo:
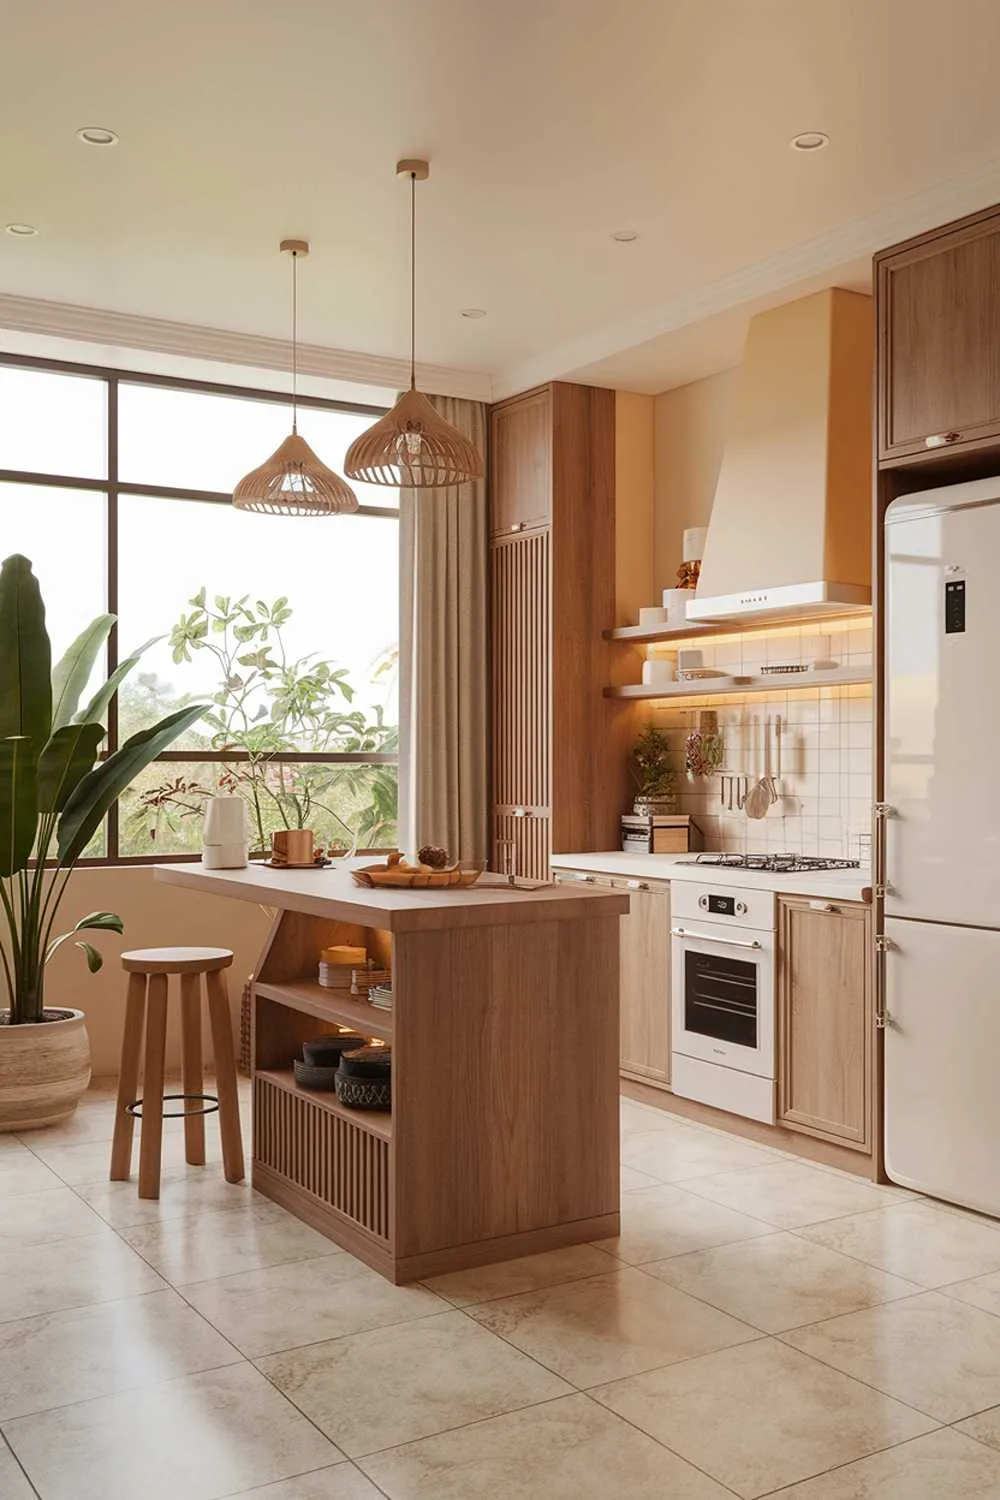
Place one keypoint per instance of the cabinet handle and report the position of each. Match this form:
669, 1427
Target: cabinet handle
520, 812
517, 526
883, 945
941, 439
637, 885
823, 906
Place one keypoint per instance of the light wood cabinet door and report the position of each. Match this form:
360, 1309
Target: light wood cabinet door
520, 489
826, 1024
645, 985
939, 341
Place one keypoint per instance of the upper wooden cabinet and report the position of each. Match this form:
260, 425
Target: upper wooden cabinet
521, 463
939, 341
826, 1024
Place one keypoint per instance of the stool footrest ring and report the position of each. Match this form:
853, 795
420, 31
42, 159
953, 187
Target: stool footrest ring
209, 1103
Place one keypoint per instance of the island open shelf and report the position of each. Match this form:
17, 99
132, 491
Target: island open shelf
503, 1136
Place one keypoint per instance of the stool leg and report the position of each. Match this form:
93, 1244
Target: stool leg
225, 1076
128, 1078
192, 1078
151, 1136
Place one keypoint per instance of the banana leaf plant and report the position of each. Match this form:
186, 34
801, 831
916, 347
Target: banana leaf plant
54, 791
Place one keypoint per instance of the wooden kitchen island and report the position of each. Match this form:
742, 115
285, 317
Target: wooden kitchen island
503, 1134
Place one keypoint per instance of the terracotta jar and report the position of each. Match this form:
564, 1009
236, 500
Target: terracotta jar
44, 1070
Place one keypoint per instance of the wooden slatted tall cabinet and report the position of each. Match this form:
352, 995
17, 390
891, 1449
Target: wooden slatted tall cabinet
556, 768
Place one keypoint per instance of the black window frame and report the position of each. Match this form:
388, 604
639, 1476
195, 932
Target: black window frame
112, 487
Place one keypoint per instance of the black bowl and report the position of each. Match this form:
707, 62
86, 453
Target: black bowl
325, 1051
309, 1077
367, 1062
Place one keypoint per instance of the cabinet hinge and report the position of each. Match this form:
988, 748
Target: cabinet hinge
884, 810
883, 944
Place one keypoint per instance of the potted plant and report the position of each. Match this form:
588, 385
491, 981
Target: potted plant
653, 774
54, 793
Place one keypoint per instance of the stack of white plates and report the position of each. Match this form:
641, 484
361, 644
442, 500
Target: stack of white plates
335, 976
380, 995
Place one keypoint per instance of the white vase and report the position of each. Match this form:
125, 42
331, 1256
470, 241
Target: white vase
225, 843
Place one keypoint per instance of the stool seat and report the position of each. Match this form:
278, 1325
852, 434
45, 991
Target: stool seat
176, 960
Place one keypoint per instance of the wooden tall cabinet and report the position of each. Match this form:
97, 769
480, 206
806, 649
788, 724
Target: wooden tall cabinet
556, 762
939, 341
826, 1023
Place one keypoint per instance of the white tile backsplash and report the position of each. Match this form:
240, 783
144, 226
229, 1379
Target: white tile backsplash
826, 784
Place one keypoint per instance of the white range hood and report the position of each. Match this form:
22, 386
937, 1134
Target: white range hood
790, 531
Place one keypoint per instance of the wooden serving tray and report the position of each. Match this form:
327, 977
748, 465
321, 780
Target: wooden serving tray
392, 875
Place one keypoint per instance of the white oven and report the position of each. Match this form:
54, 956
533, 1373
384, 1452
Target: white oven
723, 998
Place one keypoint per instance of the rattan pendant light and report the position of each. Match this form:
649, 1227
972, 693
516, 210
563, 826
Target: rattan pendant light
293, 481
413, 447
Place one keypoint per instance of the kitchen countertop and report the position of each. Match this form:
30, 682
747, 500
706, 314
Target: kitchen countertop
331, 893
838, 885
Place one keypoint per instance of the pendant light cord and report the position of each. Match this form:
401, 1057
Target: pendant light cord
413, 281
295, 341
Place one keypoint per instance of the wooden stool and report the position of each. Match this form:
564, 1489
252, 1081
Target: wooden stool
147, 969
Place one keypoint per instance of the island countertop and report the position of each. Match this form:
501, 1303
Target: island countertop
331, 893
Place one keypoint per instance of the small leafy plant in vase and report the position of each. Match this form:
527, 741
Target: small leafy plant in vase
654, 776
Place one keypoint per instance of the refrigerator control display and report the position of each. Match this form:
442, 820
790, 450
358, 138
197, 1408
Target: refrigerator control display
954, 607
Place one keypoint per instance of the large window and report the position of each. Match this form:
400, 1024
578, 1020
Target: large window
118, 488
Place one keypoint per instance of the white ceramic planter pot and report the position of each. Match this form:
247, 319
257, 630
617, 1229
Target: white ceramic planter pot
44, 1070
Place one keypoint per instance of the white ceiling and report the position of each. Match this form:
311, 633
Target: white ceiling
549, 125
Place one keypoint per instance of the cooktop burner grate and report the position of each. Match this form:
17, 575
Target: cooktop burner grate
773, 864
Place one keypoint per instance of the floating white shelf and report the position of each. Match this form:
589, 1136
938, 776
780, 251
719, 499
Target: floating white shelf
709, 687
638, 635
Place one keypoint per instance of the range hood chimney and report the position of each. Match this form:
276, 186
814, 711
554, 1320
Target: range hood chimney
790, 530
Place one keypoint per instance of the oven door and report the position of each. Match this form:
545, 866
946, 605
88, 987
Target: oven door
723, 996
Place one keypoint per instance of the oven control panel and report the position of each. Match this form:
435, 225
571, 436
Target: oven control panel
735, 906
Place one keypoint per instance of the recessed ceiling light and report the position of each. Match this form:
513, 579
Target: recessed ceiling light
97, 135
23, 231
809, 140
625, 236
473, 312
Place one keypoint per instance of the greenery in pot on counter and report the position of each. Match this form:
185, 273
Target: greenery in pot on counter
654, 777
54, 790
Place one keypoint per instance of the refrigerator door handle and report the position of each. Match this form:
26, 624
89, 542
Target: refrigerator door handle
883, 945
883, 811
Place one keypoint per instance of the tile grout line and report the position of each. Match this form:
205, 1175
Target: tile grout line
27, 1477
659, 1442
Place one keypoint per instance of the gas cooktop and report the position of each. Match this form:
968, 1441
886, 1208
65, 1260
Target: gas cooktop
773, 864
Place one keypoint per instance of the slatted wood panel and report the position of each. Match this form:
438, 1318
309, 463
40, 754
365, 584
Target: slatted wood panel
531, 837
341, 1164
520, 605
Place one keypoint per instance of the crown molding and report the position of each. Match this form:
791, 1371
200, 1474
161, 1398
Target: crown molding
852, 241
157, 335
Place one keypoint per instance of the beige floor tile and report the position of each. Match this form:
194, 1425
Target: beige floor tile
46, 1218
982, 1291
13, 1484
761, 1416
917, 1241
92, 1120
396, 1385
565, 1450
675, 1155
639, 1119
788, 1194
48, 1278
984, 1427
526, 1274
940, 1466
304, 1302
609, 1326
341, 1482
198, 1438
780, 1282
21, 1172
186, 1192
222, 1244
92, 1351
80, 1162
665, 1220
631, 1179
933, 1352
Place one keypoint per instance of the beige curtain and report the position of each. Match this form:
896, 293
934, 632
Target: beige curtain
443, 672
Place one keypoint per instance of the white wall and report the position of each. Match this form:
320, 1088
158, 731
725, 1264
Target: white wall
155, 916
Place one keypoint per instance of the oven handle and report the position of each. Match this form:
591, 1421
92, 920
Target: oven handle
704, 937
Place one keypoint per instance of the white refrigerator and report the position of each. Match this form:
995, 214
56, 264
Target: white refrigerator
940, 844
